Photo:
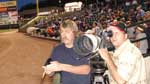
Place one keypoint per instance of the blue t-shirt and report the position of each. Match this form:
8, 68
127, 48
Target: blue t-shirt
68, 56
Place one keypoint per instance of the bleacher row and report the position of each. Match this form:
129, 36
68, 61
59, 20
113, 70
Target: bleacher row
102, 14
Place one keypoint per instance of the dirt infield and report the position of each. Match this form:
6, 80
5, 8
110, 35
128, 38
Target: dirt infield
22, 57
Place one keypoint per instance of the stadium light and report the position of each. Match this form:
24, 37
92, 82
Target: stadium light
59, 3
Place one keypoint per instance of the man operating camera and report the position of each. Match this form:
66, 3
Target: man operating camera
126, 63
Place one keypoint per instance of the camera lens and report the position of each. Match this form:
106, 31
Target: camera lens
86, 44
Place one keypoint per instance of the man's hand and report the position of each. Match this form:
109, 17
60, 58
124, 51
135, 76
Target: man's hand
104, 54
46, 71
54, 66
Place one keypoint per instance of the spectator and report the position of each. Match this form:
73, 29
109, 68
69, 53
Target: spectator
126, 65
95, 29
73, 70
130, 31
140, 11
141, 44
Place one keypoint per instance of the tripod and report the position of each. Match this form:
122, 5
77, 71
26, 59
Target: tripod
99, 78
98, 69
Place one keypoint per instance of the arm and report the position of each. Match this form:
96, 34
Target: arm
82, 69
111, 66
56, 66
114, 73
137, 44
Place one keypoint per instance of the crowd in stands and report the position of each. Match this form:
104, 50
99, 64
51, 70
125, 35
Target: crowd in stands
97, 16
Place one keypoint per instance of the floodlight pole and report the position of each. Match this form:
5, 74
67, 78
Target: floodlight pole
37, 7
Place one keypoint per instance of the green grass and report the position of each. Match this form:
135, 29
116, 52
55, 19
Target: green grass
6, 30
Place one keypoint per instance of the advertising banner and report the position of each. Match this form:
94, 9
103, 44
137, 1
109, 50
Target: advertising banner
8, 4
8, 13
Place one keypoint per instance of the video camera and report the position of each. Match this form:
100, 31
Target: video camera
88, 45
